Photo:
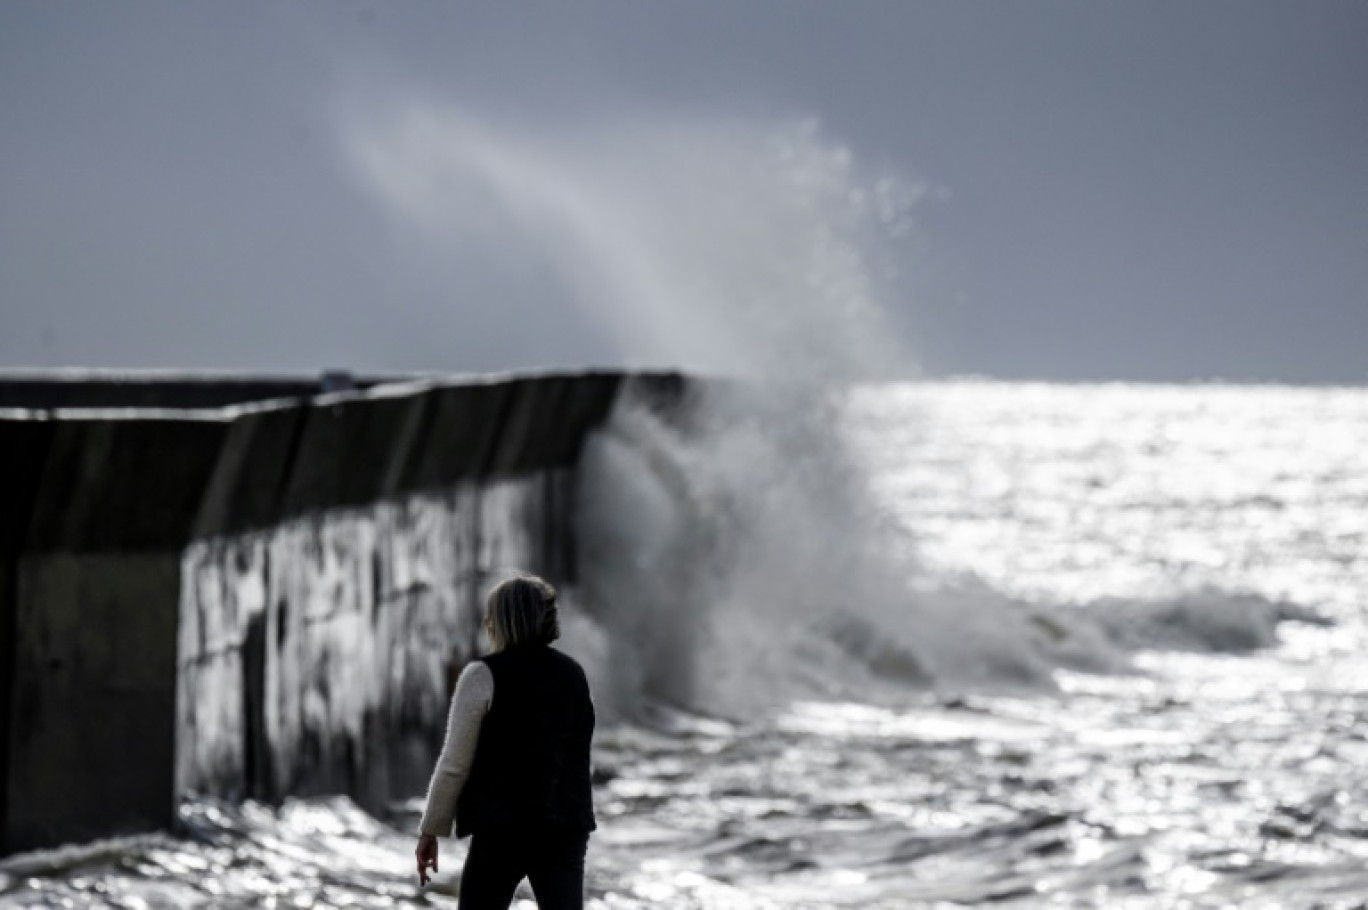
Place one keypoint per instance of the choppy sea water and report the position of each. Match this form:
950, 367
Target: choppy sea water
1218, 536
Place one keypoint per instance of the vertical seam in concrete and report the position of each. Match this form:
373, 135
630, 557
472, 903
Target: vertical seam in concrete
291, 457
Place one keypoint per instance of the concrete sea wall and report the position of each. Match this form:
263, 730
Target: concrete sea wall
262, 601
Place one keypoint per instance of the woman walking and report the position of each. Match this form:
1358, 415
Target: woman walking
514, 770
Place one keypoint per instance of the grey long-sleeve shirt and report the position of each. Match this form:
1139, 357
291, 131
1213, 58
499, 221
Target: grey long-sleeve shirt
469, 704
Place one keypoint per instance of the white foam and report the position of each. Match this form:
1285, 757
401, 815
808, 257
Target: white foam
1206, 620
737, 564
735, 561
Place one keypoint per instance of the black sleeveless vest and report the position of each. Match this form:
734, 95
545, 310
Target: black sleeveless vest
531, 766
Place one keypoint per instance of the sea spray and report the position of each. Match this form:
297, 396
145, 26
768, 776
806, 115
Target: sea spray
737, 562
715, 245
735, 559
717, 548
733, 554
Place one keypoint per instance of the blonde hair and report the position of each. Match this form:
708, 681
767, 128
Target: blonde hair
521, 610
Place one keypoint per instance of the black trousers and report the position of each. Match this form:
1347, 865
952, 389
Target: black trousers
551, 860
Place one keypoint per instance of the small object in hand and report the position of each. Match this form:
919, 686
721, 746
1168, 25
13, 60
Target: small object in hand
427, 857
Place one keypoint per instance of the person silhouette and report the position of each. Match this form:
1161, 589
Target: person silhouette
514, 769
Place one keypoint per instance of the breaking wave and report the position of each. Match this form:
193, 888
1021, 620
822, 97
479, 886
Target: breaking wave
732, 551
734, 561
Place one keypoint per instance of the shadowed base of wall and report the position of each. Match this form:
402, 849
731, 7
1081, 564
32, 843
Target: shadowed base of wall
92, 729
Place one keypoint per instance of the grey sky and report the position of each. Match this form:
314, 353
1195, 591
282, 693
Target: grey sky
1147, 190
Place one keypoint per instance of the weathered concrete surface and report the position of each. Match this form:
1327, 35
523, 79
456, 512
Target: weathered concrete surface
458, 444
353, 450
123, 484
246, 489
351, 615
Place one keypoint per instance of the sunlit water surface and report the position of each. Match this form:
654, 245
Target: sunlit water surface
1207, 775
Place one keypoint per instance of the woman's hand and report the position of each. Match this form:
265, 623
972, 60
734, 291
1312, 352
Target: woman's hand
427, 856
